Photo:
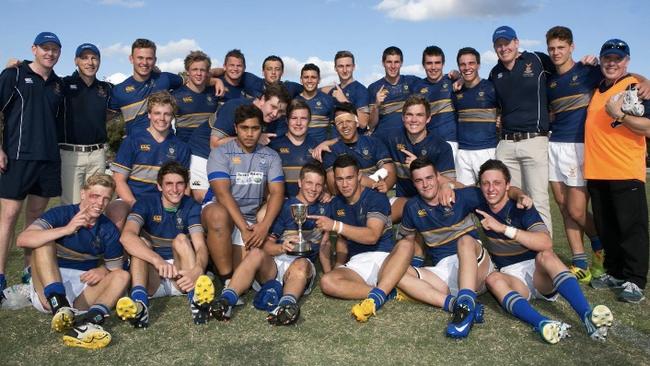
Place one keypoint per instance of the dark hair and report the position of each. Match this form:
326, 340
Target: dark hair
494, 164
277, 89
344, 161
433, 51
468, 51
561, 33
345, 107
343, 54
236, 53
416, 99
273, 58
248, 111
143, 43
196, 56
173, 167
421, 162
310, 67
298, 104
312, 167
390, 51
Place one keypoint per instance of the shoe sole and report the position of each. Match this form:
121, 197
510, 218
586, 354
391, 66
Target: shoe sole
96, 340
601, 316
203, 290
126, 308
631, 301
62, 321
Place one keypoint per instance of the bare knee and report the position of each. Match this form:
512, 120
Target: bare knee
181, 243
494, 279
328, 283
216, 218
544, 257
577, 214
299, 269
119, 276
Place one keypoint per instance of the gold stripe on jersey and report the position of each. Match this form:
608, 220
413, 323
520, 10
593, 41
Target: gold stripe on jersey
570, 102
144, 173
441, 106
69, 254
192, 120
488, 115
131, 111
444, 235
388, 108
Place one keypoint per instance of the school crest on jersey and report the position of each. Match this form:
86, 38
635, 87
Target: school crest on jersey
553, 85
145, 147
157, 218
188, 99
400, 147
235, 160
171, 152
445, 86
101, 91
340, 212
422, 213
179, 223
447, 211
129, 89
528, 70
57, 88
424, 90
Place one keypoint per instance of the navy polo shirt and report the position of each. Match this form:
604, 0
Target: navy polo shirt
521, 92
83, 121
30, 105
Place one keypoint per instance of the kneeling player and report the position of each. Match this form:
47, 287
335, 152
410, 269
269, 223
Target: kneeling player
368, 263
522, 249
164, 236
67, 243
277, 271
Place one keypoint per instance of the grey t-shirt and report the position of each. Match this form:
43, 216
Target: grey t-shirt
247, 172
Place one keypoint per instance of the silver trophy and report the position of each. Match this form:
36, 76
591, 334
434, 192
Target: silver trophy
299, 213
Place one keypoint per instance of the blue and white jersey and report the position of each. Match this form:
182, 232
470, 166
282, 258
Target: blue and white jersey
322, 115
441, 226
443, 116
369, 152
569, 95
477, 116
193, 110
505, 251
83, 249
293, 159
130, 98
160, 225
371, 204
140, 157
390, 111
248, 174
432, 146
284, 226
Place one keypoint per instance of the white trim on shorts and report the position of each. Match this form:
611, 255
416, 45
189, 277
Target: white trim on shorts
367, 265
71, 279
167, 286
199, 173
524, 272
282, 264
236, 235
565, 163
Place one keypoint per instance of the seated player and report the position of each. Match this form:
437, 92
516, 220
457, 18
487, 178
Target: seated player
320, 104
368, 263
522, 250
241, 171
67, 244
141, 154
460, 264
281, 278
164, 236
369, 152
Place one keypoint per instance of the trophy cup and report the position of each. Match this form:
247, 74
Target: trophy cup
302, 247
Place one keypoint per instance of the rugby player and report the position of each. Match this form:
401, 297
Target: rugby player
320, 104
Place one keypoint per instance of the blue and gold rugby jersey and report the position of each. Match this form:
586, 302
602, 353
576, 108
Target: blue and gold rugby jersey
569, 95
160, 226
130, 98
140, 157
371, 204
441, 226
322, 115
357, 94
390, 112
477, 116
370, 153
443, 116
433, 147
83, 249
193, 110
293, 159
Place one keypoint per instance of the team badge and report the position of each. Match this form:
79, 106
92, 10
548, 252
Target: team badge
424, 90
423, 152
508, 220
499, 75
553, 85
171, 153
574, 78
101, 91
481, 93
284, 150
29, 81
445, 85
406, 88
73, 86
210, 99
422, 212
400, 147
459, 96
187, 99
340, 212
262, 163
157, 218
57, 89
447, 211
318, 103
528, 70
236, 160
129, 89
321, 210
145, 147
96, 242
365, 151
179, 223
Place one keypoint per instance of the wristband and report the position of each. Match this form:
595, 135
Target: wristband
510, 232
340, 230
334, 225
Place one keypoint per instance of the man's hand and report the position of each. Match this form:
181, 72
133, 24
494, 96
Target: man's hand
265, 138
289, 243
323, 223
325, 197
524, 202
93, 276
3, 161
187, 278
589, 60
77, 222
219, 88
165, 270
614, 104
255, 235
338, 94
409, 157
643, 89
381, 95
490, 223
317, 152
13, 62
454, 74
446, 195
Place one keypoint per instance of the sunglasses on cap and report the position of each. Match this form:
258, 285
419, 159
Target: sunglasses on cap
616, 45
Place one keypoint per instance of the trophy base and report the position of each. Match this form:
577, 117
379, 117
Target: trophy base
306, 253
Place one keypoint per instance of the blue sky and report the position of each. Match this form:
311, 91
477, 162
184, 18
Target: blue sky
313, 30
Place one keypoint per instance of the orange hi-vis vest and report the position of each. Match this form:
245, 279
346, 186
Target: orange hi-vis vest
612, 153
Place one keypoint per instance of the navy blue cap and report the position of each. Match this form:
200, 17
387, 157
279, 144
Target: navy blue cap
45, 37
615, 47
87, 47
504, 32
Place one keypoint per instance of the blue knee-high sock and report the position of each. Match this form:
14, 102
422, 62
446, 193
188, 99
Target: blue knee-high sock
450, 301
567, 285
466, 296
378, 296
97, 313
54, 288
516, 305
230, 296
139, 293
580, 260
3, 281
287, 299
596, 245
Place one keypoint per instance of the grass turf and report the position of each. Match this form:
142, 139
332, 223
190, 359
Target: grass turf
401, 333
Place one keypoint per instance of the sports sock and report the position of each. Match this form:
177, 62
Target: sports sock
417, 261
287, 299
379, 296
54, 288
139, 293
466, 296
516, 305
567, 285
230, 296
596, 245
392, 294
97, 313
190, 295
450, 301
580, 260
3, 284
55, 295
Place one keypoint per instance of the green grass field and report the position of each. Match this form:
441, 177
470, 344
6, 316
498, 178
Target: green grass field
401, 333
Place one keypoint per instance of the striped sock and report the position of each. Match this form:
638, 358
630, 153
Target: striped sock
230, 296
139, 293
467, 296
596, 245
378, 296
417, 261
54, 288
516, 305
287, 299
567, 285
450, 301
97, 313
580, 260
